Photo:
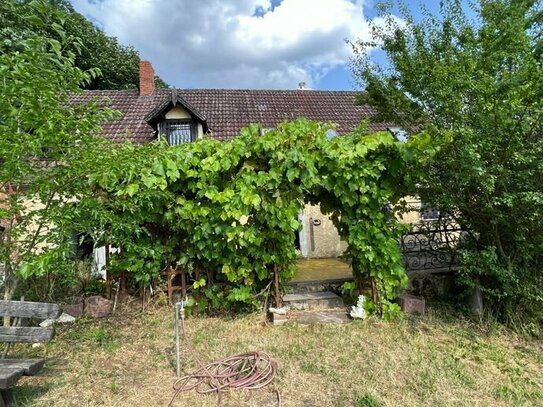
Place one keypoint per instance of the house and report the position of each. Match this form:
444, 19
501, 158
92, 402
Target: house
188, 115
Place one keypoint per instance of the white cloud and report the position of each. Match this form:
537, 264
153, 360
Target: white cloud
220, 43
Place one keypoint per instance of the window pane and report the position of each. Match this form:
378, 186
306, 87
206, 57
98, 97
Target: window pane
178, 132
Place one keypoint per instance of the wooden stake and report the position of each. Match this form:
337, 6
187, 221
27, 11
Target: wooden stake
109, 280
278, 301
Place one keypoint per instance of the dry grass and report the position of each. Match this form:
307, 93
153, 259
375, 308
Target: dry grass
128, 360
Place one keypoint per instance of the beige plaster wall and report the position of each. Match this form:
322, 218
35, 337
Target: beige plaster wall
44, 229
413, 214
327, 241
178, 112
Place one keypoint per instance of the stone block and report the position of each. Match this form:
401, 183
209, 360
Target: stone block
312, 301
98, 307
75, 310
411, 304
278, 319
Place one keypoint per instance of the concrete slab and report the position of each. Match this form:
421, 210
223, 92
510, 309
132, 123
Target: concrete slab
320, 317
312, 301
411, 304
320, 295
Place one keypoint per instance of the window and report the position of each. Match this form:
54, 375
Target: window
428, 213
178, 131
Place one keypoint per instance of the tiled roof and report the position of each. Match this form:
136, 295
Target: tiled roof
227, 111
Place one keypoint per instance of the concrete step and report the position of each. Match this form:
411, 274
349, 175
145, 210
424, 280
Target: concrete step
313, 301
314, 286
330, 316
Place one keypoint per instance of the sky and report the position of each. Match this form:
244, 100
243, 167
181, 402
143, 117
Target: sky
243, 44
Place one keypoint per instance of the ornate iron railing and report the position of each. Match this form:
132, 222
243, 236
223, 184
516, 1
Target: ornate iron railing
431, 245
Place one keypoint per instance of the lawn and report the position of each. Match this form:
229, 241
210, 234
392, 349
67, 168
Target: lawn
435, 360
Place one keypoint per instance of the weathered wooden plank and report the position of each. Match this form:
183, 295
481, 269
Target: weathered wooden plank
27, 309
9, 376
30, 366
25, 334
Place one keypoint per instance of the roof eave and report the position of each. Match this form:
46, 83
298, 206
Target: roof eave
159, 112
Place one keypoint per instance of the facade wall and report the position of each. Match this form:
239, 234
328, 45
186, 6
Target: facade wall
324, 241
321, 236
178, 113
413, 215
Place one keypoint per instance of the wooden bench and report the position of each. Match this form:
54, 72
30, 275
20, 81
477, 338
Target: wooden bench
11, 370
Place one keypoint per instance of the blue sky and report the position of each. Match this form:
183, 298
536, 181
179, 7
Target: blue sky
258, 44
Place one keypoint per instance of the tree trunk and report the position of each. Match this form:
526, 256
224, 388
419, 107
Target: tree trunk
10, 284
357, 276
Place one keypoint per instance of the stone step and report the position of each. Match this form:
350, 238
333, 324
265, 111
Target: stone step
312, 301
330, 316
333, 316
314, 286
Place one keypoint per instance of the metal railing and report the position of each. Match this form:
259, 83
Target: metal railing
432, 245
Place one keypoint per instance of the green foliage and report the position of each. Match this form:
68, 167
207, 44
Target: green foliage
349, 291
473, 82
367, 400
118, 64
228, 210
47, 146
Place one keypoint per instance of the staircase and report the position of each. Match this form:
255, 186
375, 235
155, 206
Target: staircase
313, 307
312, 298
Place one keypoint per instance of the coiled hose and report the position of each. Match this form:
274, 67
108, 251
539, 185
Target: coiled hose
251, 370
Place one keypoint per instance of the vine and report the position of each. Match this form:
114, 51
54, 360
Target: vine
231, 208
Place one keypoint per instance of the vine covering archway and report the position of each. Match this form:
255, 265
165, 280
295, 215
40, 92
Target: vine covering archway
231, 207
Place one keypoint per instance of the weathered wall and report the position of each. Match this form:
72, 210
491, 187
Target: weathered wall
326, 241
413, 216
178, 112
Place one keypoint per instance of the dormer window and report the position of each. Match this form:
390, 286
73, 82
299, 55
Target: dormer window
178, 131
176, 120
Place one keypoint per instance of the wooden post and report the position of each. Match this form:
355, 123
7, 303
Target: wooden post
278, 301
122, 282
183, 283
109, 280
170, 276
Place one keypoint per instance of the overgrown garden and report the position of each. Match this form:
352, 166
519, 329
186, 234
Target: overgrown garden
230, 209
227, 209
466, 86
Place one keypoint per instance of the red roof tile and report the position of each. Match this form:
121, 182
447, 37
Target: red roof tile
227, 111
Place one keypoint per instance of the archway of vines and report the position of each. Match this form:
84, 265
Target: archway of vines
231, 208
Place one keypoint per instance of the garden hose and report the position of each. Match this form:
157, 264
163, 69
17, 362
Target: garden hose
251, 371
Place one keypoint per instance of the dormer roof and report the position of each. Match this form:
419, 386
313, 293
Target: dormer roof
158, 113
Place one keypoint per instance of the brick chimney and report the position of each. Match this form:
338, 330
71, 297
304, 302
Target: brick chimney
147, 78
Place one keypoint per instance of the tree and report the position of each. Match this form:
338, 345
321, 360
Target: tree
118, 64
472, 80
47, 146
